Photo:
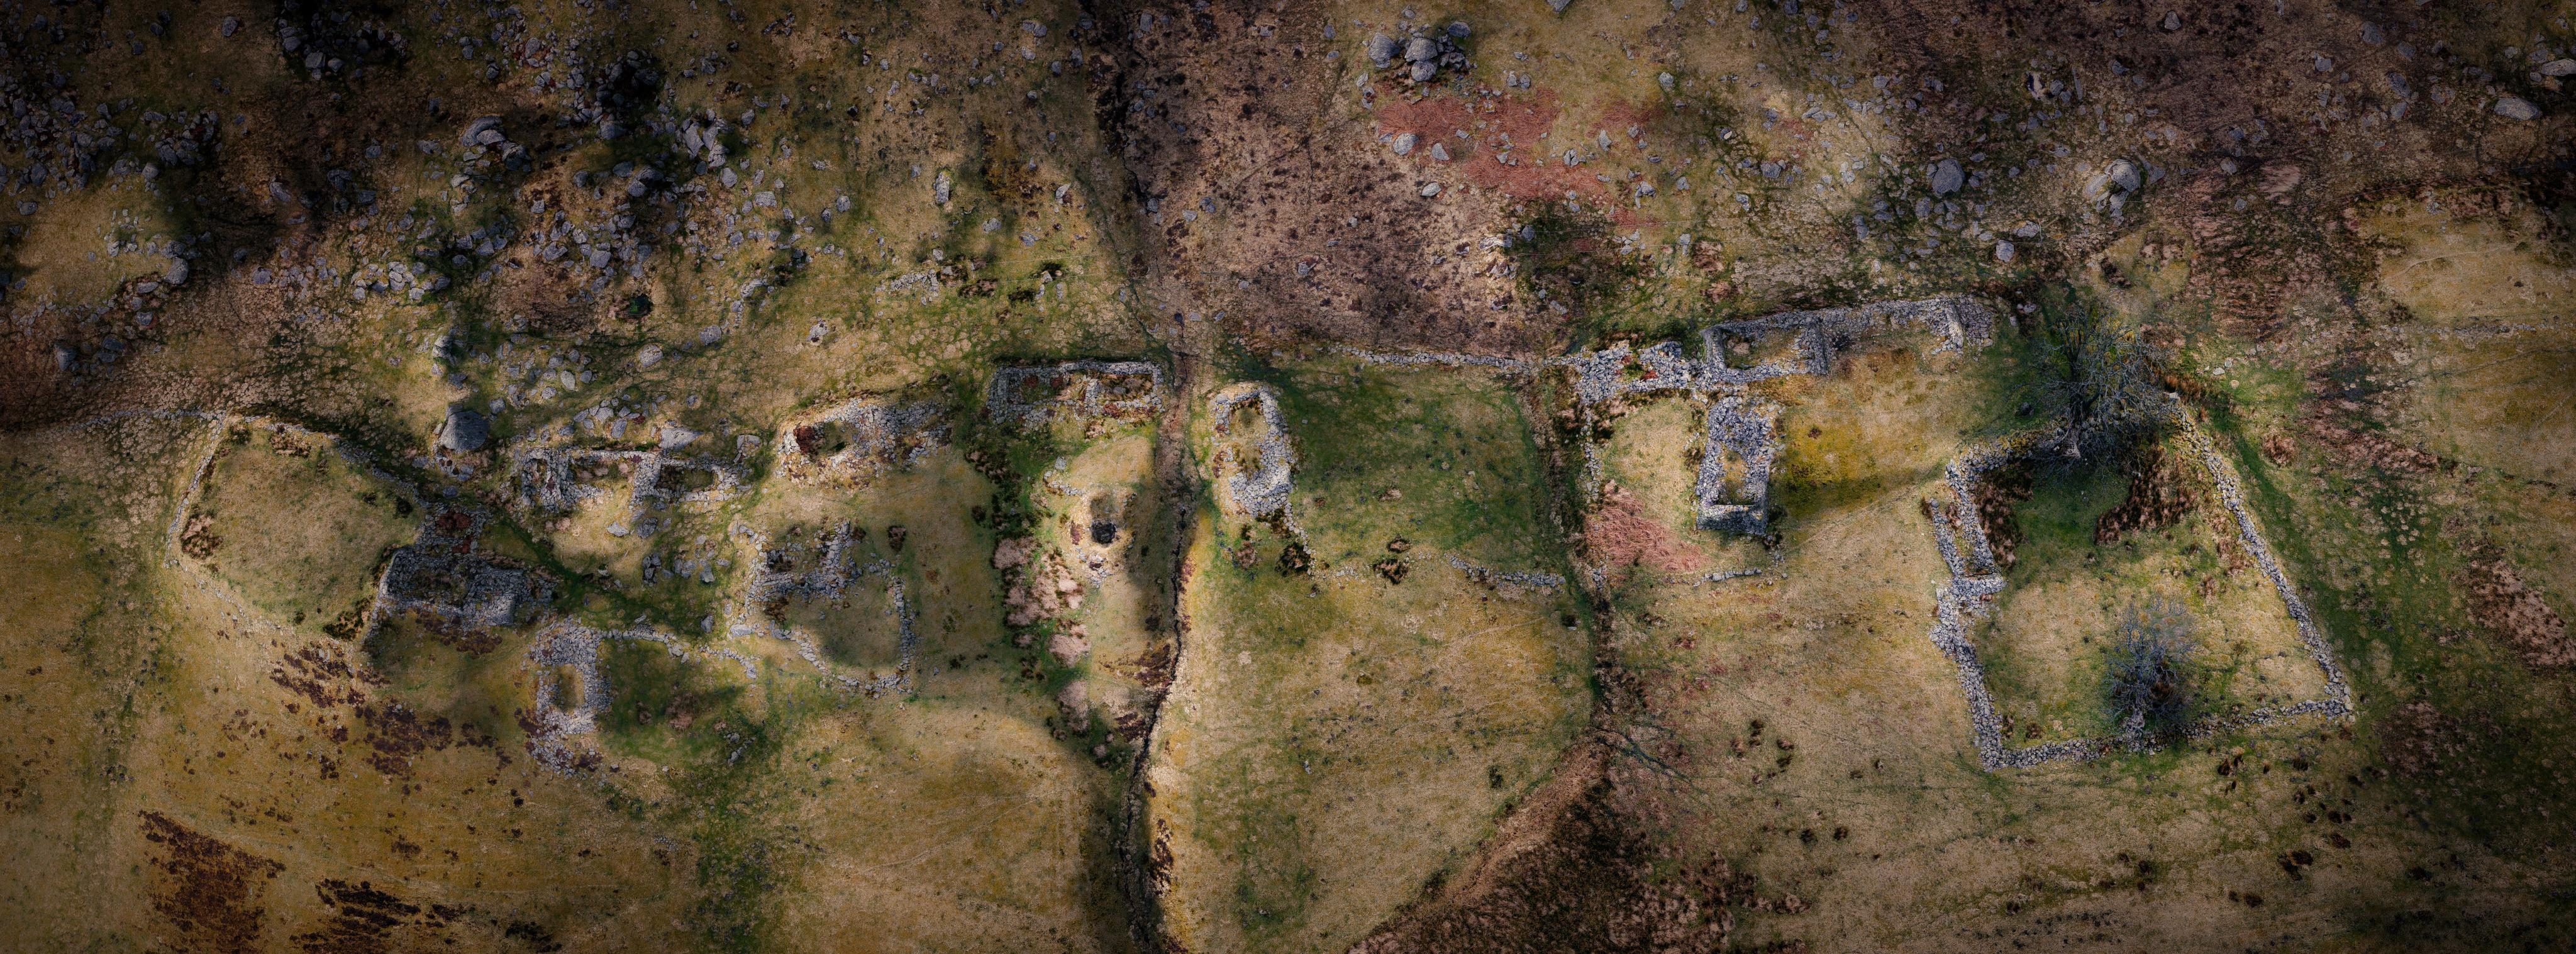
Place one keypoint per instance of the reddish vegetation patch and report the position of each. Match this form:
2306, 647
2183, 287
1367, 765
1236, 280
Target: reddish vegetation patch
205, 887
1620, 534
1523, 118
2502, 604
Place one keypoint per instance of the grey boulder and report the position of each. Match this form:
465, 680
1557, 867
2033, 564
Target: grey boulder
2558, 68
2516, 108
465, 430
1420, 50
1404, 144
1382, 49
1947, 177
178, 273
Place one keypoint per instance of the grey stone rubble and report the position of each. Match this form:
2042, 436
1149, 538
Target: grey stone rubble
1453, 360
1074, 391
1489, 576
1737, 502
835, 570
1975, 581
568, 645
1258, 488
547, 482
879, 435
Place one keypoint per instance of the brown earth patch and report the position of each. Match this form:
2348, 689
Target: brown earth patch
1995, 497
205, 888
2500, 601
2416, 737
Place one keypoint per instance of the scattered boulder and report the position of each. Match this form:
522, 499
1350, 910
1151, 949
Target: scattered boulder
230, 26
483, 131
1439, 153
1947, 177
2558, 68
2003, 250
2125, 175
1459, 29
938, 189
178, 273
2516, 108
465, 430
1430, 189
2173, 21
1404, 144
1420, 50
1558, 5
1381, 50
1425, 70
650, 355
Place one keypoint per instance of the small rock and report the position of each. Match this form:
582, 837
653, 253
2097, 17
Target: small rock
1459, 29
1404, 144
2003, 250
1439, 153
65, 357
1558, 5
1430, 190
178, 273
2558, 68
1420, 49
2028, 230
2325, 64
674, 437
938, 190
1664, 80
465, 430
1947, 177
1425, 70
231, 26
650, 355
2370, 34
2516, 108
2173, 21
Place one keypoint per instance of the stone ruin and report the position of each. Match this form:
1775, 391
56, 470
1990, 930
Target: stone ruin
1075, 391
547, 481
440, 580
1733, 488
858, 439
1977, 579
791, 570
1258, 487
